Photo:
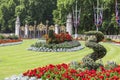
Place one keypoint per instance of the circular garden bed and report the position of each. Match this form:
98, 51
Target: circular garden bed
67, 46
62, 42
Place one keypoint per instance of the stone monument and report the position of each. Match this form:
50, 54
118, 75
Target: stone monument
56, 29
69, 24
26, 31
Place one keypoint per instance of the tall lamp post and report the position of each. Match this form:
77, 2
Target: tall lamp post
47, 26
35, 28
40, 29
31, 29
76, 18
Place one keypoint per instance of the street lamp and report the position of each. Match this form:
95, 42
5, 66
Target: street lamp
40, 29
52, 28
47, 26
22, 29
31, 29
35, 28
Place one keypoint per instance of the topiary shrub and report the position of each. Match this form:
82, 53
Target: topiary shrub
98, 35
98, 50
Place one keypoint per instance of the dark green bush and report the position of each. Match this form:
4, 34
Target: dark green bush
13, 37
51, 34
2, 37
99, 35
99, 51
108, 39
51, 37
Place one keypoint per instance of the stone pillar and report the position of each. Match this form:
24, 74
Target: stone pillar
26, 30
69, 24
56, 29
17, 26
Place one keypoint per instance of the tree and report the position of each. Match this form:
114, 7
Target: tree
87, 13
28, 10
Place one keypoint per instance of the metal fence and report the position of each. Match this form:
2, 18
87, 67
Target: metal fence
79, 36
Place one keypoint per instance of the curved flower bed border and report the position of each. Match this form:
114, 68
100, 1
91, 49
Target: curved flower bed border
42, 48
10, 42
56, 50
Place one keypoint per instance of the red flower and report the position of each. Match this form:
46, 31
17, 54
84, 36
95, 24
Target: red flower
38, 75
81, 74
108, 74
102, 68
101, 77
65, 66
48, 76
63, 71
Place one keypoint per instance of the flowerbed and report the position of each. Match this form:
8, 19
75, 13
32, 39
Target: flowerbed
65, 72
62, 42
67, 46
9, 44
9, 41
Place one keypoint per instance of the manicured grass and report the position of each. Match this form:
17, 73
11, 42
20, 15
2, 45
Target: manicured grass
17, 59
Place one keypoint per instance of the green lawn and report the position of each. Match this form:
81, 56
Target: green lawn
17, 59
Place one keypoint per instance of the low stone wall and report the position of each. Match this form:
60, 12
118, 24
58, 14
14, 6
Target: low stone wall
106, 36
113, 36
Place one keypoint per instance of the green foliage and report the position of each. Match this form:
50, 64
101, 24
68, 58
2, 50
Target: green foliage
42, 10
99, 50
108, 39
2, 37
28, 11
90, 64
63, 8
9, 37
54, 38
12, 37
111, 65
99, 35
51, 34
70, 44
87, 14
51, 38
